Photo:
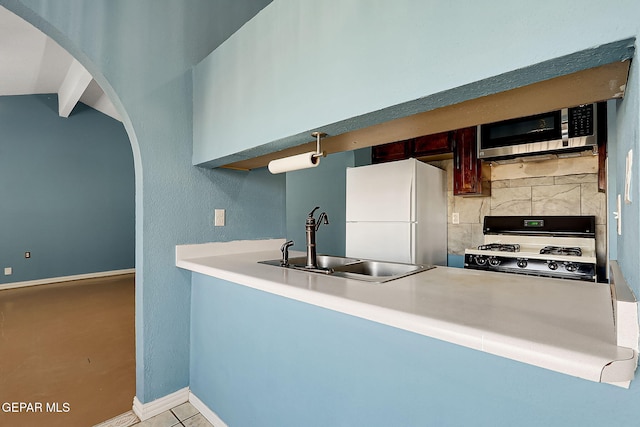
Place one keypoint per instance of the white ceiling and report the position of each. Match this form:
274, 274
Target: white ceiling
32, 63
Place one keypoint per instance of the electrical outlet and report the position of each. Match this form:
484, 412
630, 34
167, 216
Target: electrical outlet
455, 218
8, 271
219, 218
27, 254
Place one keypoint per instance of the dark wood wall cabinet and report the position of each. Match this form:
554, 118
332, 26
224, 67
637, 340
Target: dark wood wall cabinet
602, 147
430, 145
423, 146
459, 144
392, 151
467, 168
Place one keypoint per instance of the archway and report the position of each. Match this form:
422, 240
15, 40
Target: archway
84, 154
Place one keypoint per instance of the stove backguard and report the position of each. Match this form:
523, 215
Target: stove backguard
565, 226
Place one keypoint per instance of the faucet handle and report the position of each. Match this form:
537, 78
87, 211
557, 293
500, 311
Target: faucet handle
311, 213
284, 262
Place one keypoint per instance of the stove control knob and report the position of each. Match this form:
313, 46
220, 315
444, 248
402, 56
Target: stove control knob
552, 265
522, 263
480, 260
571, 267
494, 262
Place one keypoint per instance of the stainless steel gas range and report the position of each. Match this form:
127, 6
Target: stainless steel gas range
550, 246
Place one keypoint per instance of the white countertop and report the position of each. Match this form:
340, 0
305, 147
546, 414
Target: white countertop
562, 325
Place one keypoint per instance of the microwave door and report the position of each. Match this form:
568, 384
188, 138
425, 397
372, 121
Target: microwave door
526, 130
572, 128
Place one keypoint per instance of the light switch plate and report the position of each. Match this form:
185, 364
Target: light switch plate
627, 177
219, 218
618, 215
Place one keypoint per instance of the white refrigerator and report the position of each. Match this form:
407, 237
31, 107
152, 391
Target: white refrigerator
397, 211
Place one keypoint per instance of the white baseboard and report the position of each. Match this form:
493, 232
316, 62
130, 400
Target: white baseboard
66, 278
144, 411
211, 416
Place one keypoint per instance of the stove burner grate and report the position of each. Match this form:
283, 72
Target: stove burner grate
500, 247
559, 250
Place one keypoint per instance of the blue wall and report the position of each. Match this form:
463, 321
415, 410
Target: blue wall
141, 53
297, 66
378, 60
323, 186
628, 137
67, 190
257, 358
336, 66
260, 359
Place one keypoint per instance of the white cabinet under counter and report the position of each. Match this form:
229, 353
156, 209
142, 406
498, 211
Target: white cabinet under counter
561, 325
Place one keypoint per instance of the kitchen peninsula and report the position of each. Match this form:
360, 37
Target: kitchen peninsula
561, 325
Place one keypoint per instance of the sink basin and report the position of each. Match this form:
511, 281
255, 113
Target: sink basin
324, 261
378, 268
354, 268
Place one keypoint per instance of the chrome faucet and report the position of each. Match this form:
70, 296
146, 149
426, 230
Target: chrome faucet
311, 226
284, 262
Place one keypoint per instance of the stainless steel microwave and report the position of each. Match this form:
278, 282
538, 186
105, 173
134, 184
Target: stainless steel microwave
568, 129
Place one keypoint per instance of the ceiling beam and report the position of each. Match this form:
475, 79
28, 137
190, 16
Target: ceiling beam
96, 98
73, 86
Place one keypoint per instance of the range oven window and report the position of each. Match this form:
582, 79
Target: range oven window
525, 130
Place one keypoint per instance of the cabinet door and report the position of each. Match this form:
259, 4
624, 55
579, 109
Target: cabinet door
392, 151
427, 145
467, 168
602, 146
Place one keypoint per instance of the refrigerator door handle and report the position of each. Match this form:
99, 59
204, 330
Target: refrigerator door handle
412, 241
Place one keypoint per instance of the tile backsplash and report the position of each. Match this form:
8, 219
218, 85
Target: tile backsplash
571, 194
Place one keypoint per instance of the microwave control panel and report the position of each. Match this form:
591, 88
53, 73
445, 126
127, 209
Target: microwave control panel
581, 121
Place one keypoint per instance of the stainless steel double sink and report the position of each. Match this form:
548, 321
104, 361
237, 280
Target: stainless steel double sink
353, 268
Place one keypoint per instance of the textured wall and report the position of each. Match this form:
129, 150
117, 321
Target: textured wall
270, 85
67, 190
628, 130
141, 53
374, 54
381, 60
323, 186
337, 66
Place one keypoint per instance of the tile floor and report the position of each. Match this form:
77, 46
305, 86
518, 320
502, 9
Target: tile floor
182, 415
